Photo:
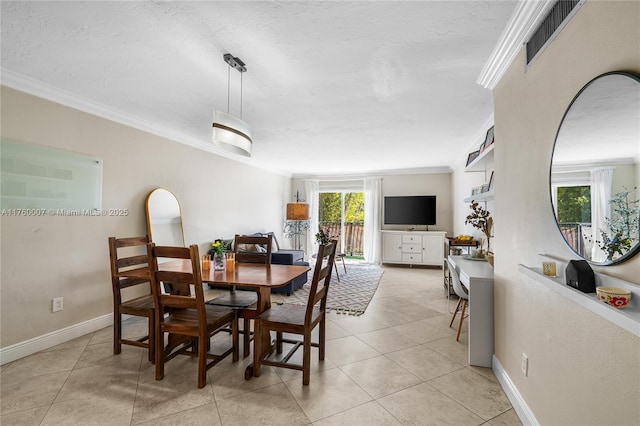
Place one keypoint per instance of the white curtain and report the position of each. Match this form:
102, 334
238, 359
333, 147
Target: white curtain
601, 179
372, 219
312, 190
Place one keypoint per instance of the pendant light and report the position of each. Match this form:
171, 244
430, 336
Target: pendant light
231, 133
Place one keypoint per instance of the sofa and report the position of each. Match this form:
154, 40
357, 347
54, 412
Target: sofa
280, 257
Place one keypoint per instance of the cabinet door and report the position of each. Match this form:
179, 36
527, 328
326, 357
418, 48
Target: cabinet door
391, 247
433, 249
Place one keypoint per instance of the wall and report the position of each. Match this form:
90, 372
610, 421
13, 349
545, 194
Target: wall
438, 184
46, 257
582, 369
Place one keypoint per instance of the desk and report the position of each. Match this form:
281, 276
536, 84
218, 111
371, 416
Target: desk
259, 276
477, 276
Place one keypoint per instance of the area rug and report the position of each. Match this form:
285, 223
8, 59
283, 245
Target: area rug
351, 295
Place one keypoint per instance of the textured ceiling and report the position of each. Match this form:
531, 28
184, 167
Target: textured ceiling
332, 87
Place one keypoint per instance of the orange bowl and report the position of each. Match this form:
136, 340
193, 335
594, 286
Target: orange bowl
613, 296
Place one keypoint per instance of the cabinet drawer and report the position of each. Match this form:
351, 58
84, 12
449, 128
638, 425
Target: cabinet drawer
412, 257
412, 248
417, 239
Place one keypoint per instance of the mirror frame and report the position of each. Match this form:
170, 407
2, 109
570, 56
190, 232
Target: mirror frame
636, 248
146, 209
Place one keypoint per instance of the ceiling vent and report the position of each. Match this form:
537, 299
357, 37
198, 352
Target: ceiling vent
557, 17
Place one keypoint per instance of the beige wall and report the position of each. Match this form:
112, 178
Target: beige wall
582, 369
438, 184
47, 257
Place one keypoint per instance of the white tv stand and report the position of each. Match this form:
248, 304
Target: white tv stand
413, 247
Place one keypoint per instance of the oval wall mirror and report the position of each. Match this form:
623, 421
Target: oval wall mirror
164, 218
595, 170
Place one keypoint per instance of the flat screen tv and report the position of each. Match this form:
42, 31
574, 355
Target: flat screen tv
410, 210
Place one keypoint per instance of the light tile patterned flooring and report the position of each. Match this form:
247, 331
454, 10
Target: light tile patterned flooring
398, 364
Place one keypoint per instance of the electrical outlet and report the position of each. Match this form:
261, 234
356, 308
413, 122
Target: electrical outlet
525, 364
57, 304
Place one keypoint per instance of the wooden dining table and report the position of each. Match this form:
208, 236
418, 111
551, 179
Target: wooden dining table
262, 278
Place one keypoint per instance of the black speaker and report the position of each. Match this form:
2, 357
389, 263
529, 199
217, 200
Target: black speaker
580, 275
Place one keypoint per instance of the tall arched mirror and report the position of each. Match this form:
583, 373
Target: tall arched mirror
164, 218
595, 170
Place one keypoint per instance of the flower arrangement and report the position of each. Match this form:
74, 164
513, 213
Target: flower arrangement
481, 219
323, 237
218, 247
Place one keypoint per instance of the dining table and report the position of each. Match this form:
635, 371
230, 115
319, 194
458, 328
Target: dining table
260, 277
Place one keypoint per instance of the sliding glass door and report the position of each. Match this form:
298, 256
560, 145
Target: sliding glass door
341, 215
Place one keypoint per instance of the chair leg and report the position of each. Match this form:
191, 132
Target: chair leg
279, 342
159, 355
257, 347
235, 340
117, 332
464, 307
152, 340
335, 268
322, 338
247, 336
455, 311
202, 360
306, 358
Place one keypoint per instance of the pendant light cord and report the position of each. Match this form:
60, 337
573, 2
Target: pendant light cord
228, 89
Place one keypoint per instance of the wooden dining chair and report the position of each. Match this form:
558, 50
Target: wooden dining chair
189, 323
142, 305
463, 297
247, 249
300, 320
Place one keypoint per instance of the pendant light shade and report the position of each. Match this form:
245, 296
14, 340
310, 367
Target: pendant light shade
231, 134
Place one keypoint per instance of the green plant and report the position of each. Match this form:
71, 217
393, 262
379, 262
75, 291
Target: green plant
322, 237
481, 219
623, 225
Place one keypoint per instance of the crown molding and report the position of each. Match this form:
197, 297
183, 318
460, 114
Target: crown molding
51, 93
525, 19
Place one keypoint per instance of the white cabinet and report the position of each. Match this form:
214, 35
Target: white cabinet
413, 247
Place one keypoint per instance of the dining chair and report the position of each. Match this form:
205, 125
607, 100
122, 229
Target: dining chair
127, 254
463, 296
300, 320
189, 323
247, 249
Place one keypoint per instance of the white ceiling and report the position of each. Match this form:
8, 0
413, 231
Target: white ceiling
332, 88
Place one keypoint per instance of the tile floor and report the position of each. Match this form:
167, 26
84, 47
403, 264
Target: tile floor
398, 364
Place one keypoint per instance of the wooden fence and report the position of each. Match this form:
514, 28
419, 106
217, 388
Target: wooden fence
353, 236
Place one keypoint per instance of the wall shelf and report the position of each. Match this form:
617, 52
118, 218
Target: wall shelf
627, 318
485, 196
483, 162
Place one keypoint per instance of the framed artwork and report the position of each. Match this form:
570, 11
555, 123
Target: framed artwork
490, 184
472, 156
477, 190
488, 141
485, 188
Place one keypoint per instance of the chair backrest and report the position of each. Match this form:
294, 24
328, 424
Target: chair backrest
176, 285
458, 287
321, 278
136, 257
253, 248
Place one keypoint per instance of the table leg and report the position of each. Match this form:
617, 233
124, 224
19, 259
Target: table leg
261, 341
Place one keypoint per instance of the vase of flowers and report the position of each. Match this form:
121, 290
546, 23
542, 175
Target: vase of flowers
217, 252
481, 219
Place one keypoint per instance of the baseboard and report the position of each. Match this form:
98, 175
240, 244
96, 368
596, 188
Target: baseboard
517, 401
46, 341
